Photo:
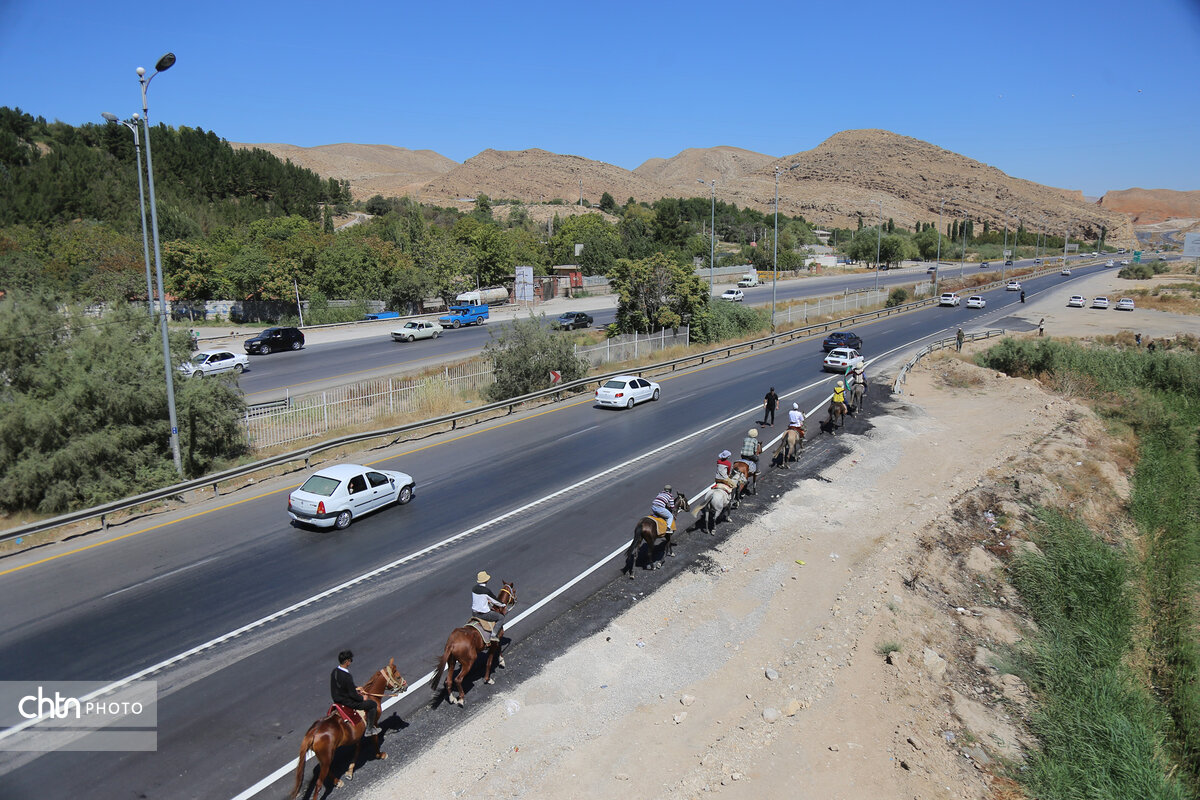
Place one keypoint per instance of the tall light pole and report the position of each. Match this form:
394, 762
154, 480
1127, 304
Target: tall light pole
775, 256
1066, 238
879, 240
937, 270
963, 256
137, 151
712, 234
1037, 250
164, 64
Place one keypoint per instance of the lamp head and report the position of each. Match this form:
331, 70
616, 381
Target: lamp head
165, 63
141, 71
109, 116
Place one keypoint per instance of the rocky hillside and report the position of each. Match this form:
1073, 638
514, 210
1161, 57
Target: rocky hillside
834, 183
1148, 206
370, 168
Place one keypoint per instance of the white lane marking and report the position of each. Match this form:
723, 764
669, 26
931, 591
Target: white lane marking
576, 433
160, 577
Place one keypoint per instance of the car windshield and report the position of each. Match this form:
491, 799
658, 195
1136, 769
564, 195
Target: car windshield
320, 484
614, 384
199, 358
410, 324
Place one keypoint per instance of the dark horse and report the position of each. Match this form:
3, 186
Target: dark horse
647, 531
464, 645
329, 733
837, 411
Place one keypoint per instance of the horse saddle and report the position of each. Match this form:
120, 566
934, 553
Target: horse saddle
353, 716
486, 629
725, 485
751, 467
799, 431
660, 524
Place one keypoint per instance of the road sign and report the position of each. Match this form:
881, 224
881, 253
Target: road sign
555, 377
1137, 256
1191, 245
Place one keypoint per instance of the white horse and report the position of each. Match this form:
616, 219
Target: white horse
719, 502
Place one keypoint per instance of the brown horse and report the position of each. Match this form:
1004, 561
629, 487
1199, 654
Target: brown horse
329, 733
749, 481
647, 531
858, 392
789, 447
836, 411
464, 645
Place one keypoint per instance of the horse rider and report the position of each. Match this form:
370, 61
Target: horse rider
724, 465
486, 606
750, 449
345, 692
839, 398
663, 506
796, 419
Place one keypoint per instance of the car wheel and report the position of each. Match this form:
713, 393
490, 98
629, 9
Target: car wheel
342, 521
198, 373
411, 338
296, 345
266, 349
630, 403
655, 397
439, 333
455, 324
238, 368
404, 495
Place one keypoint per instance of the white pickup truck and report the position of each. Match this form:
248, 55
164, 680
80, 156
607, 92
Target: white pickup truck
748, 280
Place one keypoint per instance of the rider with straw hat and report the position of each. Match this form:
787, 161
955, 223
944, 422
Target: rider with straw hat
484, 604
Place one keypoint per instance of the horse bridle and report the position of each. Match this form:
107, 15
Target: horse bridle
512, 595
393, 679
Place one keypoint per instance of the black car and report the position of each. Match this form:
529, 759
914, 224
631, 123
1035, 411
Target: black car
842, 339
273, 339
574, 319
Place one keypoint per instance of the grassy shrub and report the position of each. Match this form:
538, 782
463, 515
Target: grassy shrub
897, 296
1100, 731
1019, 357
720, 321
1136, 272
524, 354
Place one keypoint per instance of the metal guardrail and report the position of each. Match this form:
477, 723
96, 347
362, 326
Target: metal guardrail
452, 420
902, 375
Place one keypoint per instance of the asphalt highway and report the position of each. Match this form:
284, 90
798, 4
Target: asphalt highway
537, 498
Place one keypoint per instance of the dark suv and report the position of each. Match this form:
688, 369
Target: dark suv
842, 339
273, 339
573, 319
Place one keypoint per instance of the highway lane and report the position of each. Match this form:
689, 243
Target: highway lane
132, 603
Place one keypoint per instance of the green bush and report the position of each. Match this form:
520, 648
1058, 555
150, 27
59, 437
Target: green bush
1136, 272
1019, 357
898, 296
524, 353
719, 321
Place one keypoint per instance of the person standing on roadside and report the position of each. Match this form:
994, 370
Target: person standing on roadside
770, 403
1042, 327
958, 340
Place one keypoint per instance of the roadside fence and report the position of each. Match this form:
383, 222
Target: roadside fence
632, 345
314, 415
822, 306
949, 341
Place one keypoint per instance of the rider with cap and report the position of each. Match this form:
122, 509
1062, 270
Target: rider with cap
345, 692
751, 448
724, 465
796, 418
485, 605
663, 506
839, 398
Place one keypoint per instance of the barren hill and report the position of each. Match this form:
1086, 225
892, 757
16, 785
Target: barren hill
370, 168
1148, 206
538, 176
683, 171
843, 176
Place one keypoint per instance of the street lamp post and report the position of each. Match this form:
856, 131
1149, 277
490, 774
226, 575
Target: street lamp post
937, 270
963, 256
164, 64
137, 151
879, 240
712, 234
775, 256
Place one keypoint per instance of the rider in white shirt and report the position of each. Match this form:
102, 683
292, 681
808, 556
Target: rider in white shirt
796, 417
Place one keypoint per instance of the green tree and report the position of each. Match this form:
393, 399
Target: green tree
483, 208
601, 243
524, 353
655, 292
491, 251
927, 243
85, 409
607, 203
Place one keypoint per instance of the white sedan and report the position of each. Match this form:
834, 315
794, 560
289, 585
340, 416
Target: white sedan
624, 391
975, 301
1066, 272
1100, 302
1013, 286
948, 299
733, 295
1125, 304
334, 496
841, 359
214, 362
417, 329
1076, 301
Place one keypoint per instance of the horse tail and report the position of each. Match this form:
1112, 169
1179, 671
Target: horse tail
304, 748
437, 673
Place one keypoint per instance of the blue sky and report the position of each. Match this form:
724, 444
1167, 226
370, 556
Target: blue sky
1093, 96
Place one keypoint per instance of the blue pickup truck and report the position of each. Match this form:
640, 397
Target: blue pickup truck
464, 315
